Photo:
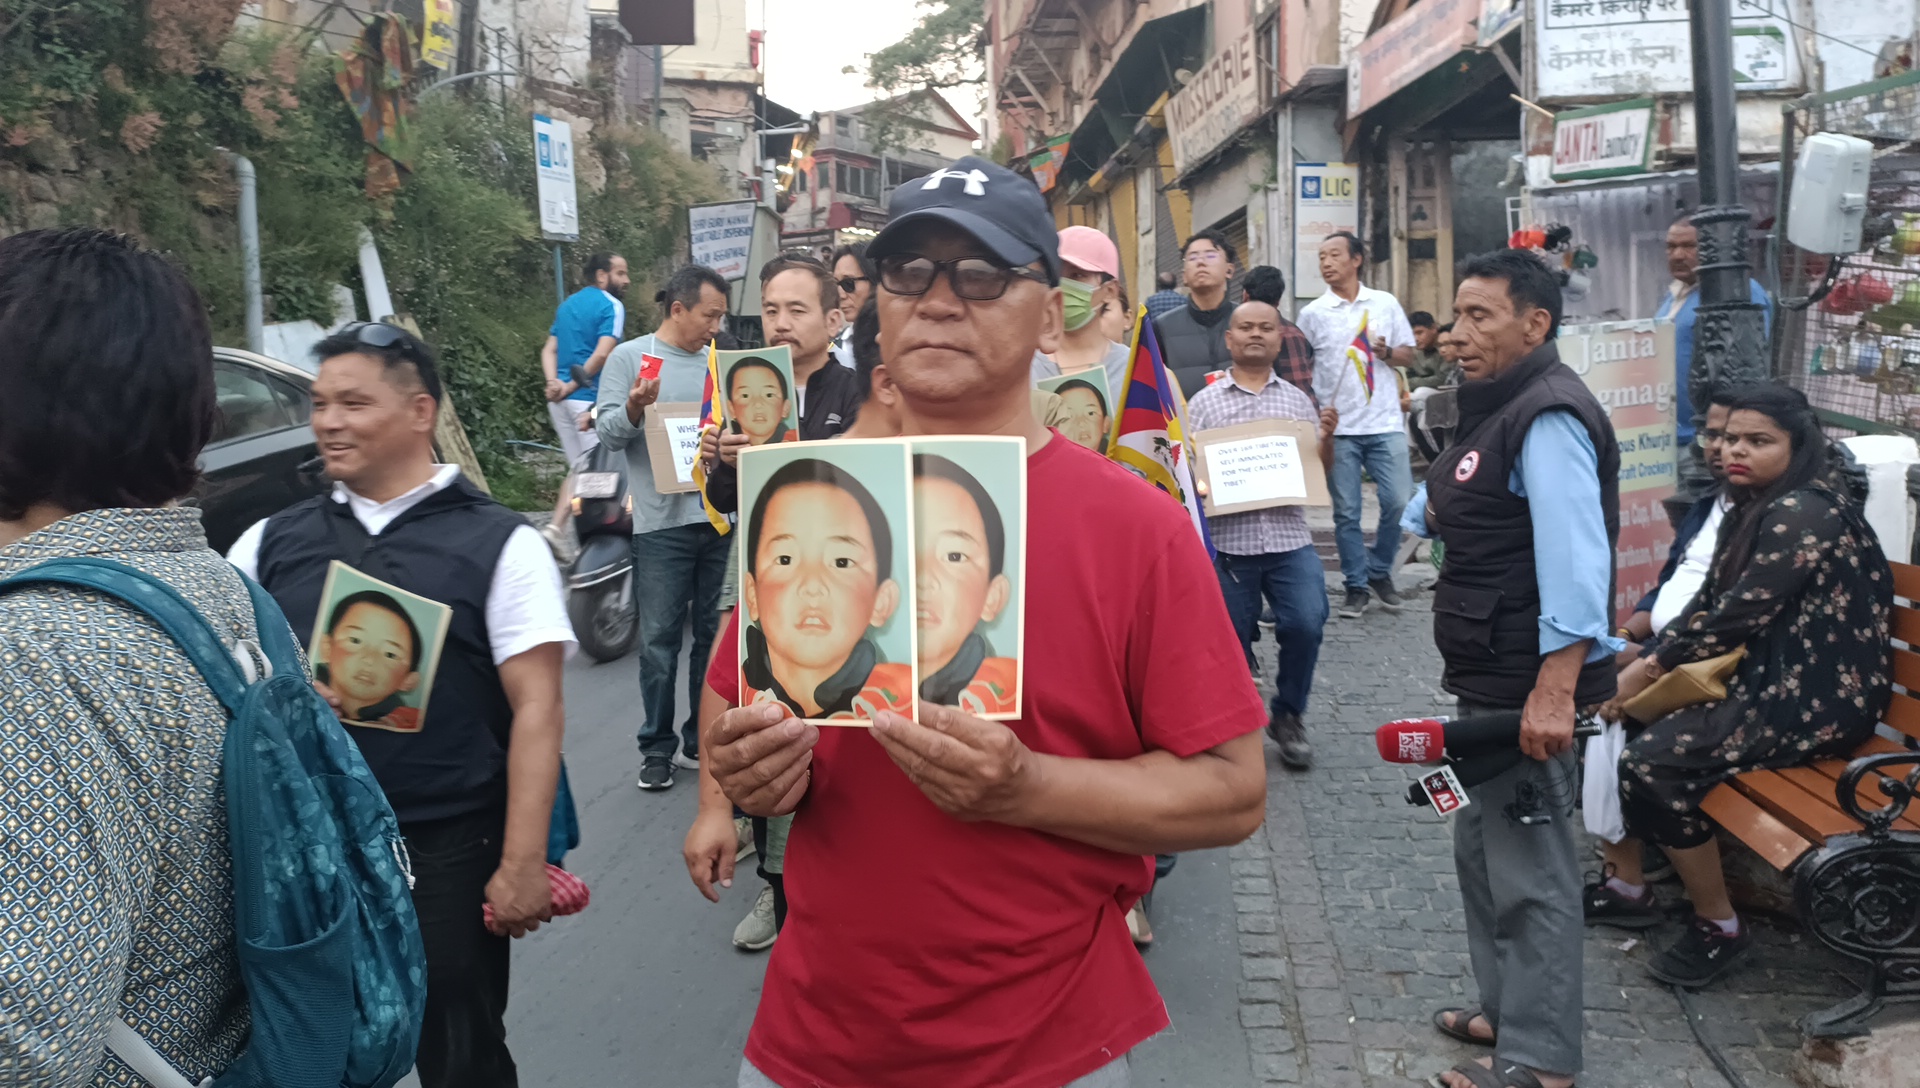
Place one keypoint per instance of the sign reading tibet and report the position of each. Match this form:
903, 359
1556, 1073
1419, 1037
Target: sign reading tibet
1604, 141
1222, 99
1407, 48
1629, 367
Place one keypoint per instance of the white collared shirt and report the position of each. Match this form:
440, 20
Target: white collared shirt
1331, 323
526, 606
1691, 573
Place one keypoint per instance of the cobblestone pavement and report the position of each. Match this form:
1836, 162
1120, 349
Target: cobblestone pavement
1351, 933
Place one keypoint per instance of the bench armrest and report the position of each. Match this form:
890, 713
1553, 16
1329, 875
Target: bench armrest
1899, 791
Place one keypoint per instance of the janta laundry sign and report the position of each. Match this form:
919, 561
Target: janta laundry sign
1603, 141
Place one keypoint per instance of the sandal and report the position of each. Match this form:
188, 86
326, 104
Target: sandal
1462, 1026
1507, 1075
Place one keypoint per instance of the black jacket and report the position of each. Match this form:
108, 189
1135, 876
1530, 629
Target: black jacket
1486, 606
1194, 343
833, 398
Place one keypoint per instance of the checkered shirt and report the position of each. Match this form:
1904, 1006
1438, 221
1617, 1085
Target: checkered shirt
1225, 404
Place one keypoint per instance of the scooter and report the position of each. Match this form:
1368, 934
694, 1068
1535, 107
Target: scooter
600, 580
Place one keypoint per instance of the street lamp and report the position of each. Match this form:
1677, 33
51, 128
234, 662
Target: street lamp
768, 191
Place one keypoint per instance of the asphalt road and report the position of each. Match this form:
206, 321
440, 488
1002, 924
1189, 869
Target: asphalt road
645, 988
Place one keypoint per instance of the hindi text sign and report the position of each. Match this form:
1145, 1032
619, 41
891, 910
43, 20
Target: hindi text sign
1610, 48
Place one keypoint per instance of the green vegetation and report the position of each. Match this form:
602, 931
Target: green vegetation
132, 119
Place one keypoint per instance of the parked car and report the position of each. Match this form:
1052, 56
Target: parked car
263, 458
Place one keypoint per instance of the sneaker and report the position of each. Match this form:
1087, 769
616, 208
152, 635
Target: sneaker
1604, 905
1389, 596
1266, 615
686, 761
656, 773
1355, 604
743, 839
1287, 731
1702, 954
756, 932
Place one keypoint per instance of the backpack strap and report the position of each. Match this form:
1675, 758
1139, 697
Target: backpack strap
162, 603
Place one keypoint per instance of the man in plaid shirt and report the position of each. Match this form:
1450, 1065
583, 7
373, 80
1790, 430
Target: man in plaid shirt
1269, 553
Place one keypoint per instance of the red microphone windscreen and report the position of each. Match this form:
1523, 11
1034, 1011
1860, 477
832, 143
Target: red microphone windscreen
1411, 740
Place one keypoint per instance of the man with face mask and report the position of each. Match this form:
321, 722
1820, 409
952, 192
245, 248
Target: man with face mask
1089, 284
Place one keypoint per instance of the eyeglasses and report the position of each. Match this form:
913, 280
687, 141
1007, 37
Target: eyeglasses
973, 278
1204, 256
851, 283
1708, 438
375, 334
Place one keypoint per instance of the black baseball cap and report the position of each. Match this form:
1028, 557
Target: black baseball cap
1002, 210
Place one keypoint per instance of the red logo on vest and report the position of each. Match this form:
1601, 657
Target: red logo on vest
1469, 464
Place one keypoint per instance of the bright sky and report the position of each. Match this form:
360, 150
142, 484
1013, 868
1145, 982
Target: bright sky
808, 42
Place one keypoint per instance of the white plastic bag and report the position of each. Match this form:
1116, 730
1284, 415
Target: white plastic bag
1600, 790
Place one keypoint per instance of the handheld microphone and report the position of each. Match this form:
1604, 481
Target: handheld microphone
1429, 740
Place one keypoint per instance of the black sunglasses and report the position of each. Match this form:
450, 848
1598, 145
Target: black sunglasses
849, 283
376, 334
973, 278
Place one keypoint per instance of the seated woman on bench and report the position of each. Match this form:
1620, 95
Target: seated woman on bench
1798, 579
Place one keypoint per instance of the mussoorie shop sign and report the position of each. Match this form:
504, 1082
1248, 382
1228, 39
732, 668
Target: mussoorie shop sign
1222, 99
1629, 367
1604, 141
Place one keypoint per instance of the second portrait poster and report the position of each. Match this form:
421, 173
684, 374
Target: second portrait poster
826, 579
756, 394
970, 517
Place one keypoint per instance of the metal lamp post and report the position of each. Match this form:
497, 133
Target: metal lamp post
1729, 335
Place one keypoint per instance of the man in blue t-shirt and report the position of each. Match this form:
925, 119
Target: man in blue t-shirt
1679, 306
585, 331
586, 328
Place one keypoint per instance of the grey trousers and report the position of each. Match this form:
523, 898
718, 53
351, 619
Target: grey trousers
1114, 1074
1521, 885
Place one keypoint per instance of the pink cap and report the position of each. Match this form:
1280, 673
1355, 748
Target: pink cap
1089, 249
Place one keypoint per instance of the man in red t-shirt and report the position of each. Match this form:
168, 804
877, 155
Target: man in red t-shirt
957, 888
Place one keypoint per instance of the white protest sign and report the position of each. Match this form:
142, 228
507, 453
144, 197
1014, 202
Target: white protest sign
684, 433
1252, 466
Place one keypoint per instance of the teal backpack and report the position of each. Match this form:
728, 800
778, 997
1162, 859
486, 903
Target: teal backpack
328, 945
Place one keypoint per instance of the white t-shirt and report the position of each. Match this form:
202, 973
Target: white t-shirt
1331, 322
525, 604
1691, 574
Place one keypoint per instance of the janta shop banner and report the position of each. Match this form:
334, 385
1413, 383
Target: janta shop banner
1629, 366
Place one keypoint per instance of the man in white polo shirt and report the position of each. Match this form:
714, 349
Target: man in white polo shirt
1354, 376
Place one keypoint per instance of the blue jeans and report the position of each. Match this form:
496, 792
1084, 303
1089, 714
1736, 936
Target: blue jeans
1384, 456
674, 570
1296, 583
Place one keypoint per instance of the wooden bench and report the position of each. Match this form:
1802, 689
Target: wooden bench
1842, 829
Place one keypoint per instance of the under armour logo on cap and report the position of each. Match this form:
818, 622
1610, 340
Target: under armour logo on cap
976, 180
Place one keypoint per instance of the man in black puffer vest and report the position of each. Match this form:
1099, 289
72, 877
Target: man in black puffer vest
1193, 338
471, 772
1526, 500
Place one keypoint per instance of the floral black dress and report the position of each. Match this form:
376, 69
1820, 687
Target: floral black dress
1811, 608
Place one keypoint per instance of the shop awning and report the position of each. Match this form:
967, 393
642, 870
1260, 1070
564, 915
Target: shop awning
1140, 76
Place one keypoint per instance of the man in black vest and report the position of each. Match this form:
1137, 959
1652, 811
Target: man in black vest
472, 778
1193, 338
1527, 502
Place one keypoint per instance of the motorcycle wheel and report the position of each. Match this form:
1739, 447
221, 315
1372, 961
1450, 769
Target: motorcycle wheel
604, 619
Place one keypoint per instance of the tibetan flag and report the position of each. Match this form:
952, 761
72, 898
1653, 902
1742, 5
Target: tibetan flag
1148, 435
709, 417
1360, 353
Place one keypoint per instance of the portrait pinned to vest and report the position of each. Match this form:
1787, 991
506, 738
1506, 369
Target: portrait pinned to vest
757, 397
826, 583
1088, 403
970, 563
377, 647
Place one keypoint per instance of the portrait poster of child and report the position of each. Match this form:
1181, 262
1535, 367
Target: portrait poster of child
970, 514
756, 394
1088, 403
376, 646
826, 579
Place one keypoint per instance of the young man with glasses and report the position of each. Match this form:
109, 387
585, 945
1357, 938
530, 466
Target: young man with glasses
1009, 852
472, 783
1193, 338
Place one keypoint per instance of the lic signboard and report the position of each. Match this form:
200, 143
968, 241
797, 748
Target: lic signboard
553, 168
